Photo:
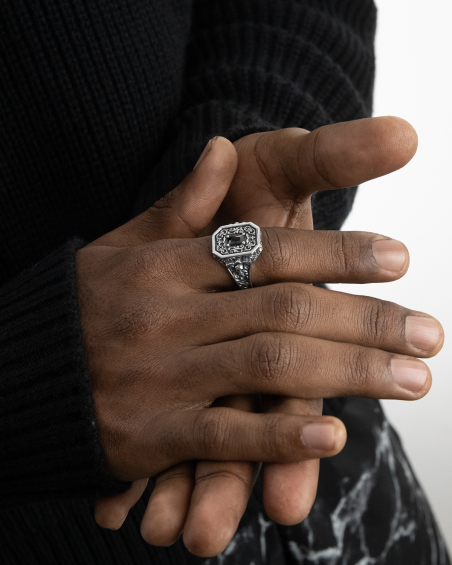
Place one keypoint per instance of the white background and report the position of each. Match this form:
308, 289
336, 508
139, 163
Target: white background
414, 205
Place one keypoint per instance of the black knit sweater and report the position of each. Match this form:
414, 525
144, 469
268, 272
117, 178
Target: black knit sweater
105, 105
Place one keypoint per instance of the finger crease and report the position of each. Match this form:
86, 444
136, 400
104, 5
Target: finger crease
223, 474
318, 164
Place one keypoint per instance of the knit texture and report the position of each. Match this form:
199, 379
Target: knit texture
105, 106
260, 66
48, 443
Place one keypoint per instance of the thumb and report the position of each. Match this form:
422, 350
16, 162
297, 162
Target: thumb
190, 207
343, 154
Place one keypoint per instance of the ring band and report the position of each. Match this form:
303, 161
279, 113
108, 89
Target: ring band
237, 246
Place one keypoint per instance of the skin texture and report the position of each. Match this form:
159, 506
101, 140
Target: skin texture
276, 174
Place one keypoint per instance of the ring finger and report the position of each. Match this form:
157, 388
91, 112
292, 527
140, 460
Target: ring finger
302, 367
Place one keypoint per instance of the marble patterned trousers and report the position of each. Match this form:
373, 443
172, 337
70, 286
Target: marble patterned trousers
370, 509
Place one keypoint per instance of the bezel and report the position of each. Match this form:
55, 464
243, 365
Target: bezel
238, 228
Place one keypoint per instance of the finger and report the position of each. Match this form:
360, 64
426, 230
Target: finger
329, 256
111, 511
303, 367
168, 505
218, 503
222, 491
314, 312
220, 496
301, 256
289, 489
226, 434
339, 155
187, 209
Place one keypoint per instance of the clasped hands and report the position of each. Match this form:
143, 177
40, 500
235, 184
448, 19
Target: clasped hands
177, 355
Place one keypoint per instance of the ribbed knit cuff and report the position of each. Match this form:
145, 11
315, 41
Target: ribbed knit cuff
49, 447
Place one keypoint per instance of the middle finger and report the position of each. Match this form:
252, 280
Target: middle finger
315, 312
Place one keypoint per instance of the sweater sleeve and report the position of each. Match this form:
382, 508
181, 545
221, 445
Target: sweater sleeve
261, 65
48, 442
251, 65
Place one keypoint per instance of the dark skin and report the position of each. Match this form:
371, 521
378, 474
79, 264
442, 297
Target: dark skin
276, 174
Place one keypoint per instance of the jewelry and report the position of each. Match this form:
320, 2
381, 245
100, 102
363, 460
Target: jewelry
237, 246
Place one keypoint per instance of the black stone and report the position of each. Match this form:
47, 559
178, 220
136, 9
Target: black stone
235, 240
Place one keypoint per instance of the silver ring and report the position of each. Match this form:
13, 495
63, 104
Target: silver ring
237, 246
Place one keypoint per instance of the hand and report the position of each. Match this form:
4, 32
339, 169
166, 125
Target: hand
150, 325
277, 173
188, 483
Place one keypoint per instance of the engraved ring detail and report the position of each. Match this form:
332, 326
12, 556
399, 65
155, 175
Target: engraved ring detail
237, 246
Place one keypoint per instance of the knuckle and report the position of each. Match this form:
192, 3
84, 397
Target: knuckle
291, 307
346, 252
271, 357
359, 370
178, 473
213, 432
231, 471
154, 261
318, 162
141, 317
143, 261
379, 321
276, 255
275, 437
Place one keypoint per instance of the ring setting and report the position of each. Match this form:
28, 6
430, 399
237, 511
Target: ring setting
237, 246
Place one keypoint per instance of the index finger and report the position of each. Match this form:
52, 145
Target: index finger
306, 256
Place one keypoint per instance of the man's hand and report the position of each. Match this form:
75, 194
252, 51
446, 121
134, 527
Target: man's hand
279, 171
151, 332
232, 482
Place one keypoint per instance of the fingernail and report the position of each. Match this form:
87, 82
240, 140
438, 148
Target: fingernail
205, 152
390, 254
318, 436
423, 333
409, 374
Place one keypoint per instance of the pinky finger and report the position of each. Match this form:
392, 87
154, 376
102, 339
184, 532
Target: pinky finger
111, 511
168, 505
